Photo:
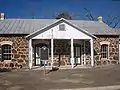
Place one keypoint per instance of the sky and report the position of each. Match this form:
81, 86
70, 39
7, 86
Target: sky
48, 9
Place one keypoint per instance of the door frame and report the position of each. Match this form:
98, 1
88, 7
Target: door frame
39, 46
75, 54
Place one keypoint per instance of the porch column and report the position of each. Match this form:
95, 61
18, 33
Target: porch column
84, 54
72, 53
51, 53
92, 52
30, 53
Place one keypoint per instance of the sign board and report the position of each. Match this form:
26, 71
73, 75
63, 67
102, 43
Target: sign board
44, 53
44, 56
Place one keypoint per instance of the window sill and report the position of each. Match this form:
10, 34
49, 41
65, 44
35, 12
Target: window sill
104, 59
7, 61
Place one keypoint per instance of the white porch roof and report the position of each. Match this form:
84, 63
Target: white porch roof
52, 31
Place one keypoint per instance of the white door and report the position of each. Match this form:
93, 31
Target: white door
38, 61
78, 55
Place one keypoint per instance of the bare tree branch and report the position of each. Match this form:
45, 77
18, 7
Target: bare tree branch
89, 14
112, 21
116, 22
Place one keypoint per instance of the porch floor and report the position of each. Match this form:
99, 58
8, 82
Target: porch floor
60, 67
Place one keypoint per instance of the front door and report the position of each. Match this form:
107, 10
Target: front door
41, 56
77, 55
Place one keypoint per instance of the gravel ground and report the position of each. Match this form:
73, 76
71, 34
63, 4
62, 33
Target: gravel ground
61, 79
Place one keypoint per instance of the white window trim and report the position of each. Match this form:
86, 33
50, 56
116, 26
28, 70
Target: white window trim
8, 53
106, 43
62, 29
7, 43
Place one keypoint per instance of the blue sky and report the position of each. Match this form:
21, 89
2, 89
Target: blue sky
51, 8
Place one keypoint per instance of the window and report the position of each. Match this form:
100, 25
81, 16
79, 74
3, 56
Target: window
5, 52
0, 53
62, 27
104, 51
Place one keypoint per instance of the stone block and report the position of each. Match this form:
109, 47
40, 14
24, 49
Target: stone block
97, 57
98, 62
23, 56
114, 62
14, 51
62, 62
23, 49
16, 55
18, 49
115, 57
20, 61
13, 60
55, 64
113, 49
20, 52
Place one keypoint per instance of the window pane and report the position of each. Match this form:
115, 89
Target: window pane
62, 27
6, 52
104, 51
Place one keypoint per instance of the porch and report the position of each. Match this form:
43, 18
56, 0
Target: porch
76, 45
63, 51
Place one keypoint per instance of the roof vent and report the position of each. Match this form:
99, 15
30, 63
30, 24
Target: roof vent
100, 18
2, 17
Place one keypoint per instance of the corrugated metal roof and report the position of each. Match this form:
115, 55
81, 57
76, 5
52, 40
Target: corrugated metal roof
95, 27
28, 26
117, 30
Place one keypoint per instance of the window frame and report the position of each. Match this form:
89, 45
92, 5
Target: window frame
62, 27
6, 52
104, 49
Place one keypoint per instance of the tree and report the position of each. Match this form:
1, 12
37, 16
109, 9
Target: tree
112, 21
64, 15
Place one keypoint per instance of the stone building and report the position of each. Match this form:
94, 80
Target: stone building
68, 42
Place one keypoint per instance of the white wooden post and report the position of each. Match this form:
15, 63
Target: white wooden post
72, 53
92, 52
30, 53
51, 53
84, 54
81, 54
